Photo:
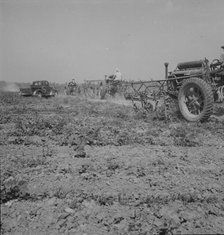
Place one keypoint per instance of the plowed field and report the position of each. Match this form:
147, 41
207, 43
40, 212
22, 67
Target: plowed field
75, 166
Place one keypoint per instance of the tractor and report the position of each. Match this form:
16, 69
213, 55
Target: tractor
71, 88
196, 85
111, 87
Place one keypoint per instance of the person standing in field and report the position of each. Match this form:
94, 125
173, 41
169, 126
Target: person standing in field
117, 74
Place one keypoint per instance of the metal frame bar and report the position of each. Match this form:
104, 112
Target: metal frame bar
91, 81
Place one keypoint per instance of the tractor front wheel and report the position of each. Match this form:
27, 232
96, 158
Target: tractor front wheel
195, 100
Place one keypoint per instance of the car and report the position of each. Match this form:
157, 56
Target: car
39, 89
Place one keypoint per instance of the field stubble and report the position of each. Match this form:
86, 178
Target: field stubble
76, 166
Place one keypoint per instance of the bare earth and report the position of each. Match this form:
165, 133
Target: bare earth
76, 166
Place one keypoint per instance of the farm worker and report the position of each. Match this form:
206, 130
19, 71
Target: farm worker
222, 56
117, 74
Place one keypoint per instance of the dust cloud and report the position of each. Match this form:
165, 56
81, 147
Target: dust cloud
9, 87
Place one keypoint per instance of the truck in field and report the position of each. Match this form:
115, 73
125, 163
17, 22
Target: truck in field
38, 89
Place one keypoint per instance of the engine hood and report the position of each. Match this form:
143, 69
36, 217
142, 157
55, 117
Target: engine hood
186, 72
198, 64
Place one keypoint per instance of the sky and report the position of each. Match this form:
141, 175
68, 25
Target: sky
57, 40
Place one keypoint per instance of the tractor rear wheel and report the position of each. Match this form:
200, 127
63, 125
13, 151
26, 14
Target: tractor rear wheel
195, 99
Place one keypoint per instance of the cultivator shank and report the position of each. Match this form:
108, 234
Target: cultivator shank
148, 95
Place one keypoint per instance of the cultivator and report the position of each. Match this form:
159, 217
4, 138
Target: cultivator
113, 87
103, 88
92, 88
149, 96
196, 85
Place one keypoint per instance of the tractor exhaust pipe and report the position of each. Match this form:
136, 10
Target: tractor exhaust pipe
166, 70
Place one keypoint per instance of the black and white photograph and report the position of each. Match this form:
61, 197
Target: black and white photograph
111, 117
